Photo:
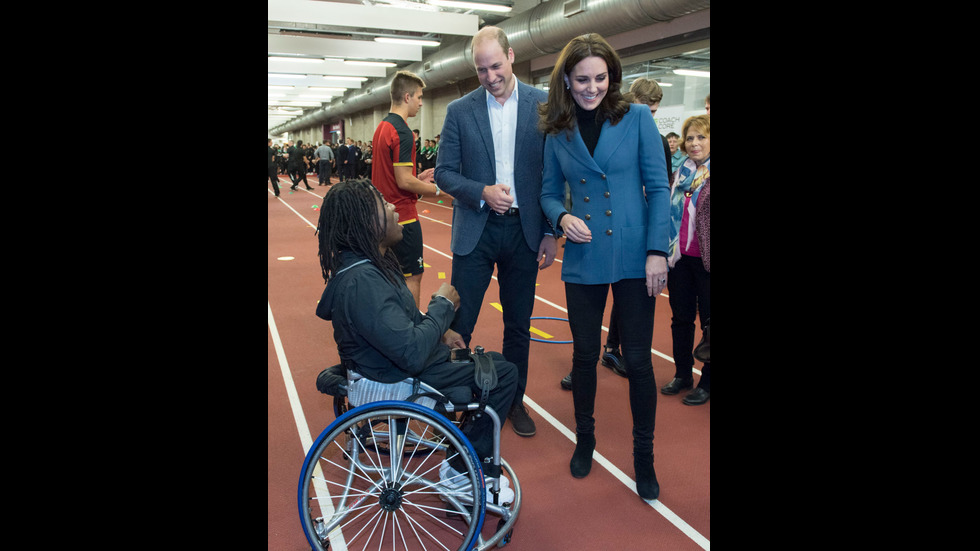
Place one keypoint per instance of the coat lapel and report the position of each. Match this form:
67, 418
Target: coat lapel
527, 115
575, 148
481, 122
609, 139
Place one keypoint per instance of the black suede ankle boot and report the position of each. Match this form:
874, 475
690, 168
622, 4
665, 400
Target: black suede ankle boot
646, 478
581, 462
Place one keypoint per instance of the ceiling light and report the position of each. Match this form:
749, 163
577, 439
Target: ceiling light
407, 4
326, 89
690, 73
370, 63
479, 6
408, 41
353, 79
285, 75
296, 103
299, 59
281, 87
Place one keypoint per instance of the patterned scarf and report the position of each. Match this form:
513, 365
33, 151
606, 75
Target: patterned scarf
689, 180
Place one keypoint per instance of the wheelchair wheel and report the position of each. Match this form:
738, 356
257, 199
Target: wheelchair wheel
372, 480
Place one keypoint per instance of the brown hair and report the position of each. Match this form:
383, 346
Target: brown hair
558, 113
644, 90
405, 82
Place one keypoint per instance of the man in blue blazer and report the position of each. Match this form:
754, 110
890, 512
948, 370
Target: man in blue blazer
490, 163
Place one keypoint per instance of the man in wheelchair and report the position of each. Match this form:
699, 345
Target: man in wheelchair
379, 330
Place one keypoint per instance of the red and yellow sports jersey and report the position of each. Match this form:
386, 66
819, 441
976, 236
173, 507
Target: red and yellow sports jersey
394, 145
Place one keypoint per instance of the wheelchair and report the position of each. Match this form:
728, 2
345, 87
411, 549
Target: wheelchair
375, 478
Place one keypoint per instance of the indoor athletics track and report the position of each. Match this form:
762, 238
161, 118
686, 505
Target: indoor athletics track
599, 512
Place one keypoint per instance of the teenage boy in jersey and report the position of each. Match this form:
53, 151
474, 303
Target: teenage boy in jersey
393, 173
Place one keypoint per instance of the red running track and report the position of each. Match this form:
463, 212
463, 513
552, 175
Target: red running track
599, 512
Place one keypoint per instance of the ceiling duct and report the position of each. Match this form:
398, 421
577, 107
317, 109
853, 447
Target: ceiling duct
542, 30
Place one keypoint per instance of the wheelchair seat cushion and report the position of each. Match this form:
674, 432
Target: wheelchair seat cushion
333, 381
364, 391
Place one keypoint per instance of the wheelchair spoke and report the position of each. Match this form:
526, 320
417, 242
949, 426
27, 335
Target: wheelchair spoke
396, 527
397, 447
411, 478
414, 523
408, 521
373, 522
422, 509
347, 470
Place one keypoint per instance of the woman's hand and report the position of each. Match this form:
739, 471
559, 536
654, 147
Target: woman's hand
656, 270
575, 229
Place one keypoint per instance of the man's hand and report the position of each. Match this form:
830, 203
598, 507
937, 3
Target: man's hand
453, 339
448, 291
547, 251
498, 197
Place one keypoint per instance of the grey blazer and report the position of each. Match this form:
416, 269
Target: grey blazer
465, 164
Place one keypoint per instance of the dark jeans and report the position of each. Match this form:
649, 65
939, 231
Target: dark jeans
324, 173
503, 244
634, 312
446, 375
688, 285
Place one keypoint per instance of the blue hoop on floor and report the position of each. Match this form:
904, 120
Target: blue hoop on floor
547, 341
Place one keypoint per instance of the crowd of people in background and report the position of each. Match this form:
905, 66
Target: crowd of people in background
348, 159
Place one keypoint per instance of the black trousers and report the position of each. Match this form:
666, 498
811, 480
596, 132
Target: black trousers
634, 312
297, 175
447, 375
274, 178
503, 244
689, 287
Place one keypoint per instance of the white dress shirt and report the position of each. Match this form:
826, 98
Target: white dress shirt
503, 127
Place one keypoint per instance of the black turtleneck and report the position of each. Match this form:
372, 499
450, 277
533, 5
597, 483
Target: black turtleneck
588, 127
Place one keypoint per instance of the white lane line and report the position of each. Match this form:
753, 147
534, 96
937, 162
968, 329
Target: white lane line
622, 477
306, 440
304, 430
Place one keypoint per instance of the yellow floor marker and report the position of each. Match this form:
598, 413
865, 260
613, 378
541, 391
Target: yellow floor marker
533, 330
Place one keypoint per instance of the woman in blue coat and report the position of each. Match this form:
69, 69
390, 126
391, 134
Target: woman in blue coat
611, 154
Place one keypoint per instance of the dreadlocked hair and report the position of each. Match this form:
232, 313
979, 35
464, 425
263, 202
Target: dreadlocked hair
349, 222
